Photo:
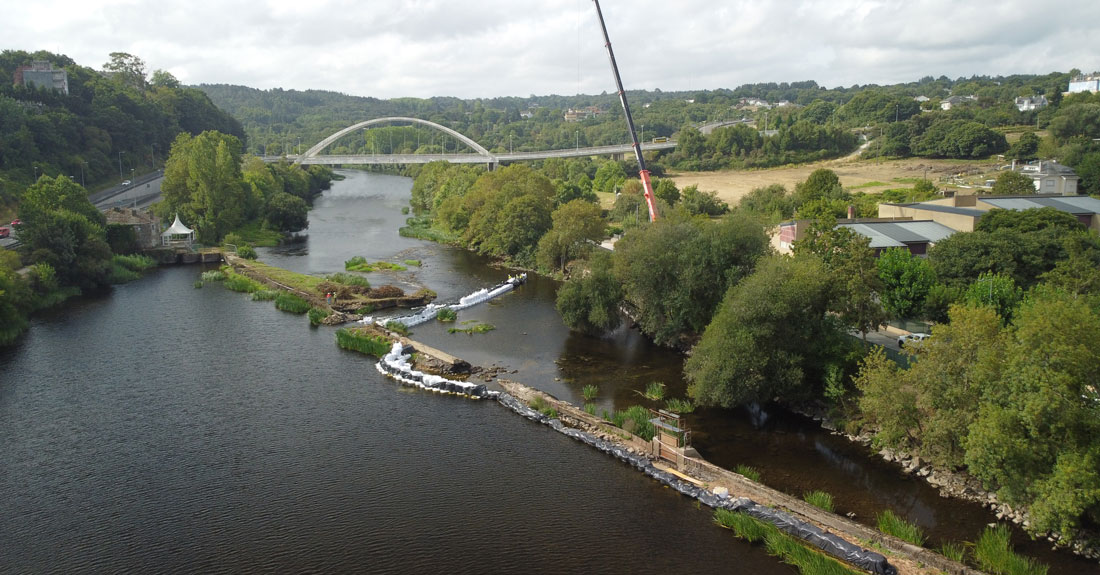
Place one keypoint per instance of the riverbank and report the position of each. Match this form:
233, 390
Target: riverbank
907, 558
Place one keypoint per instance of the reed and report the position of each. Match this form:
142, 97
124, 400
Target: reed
412, 263
654, 391
994, 554
748, 528
348, 279
819, 499
677, 405
239, 283
135, 262
374, 345
291, 303
447, 315
264, 295
890, 524
213, 276
590, 408
198, 284
590, 392
634, 419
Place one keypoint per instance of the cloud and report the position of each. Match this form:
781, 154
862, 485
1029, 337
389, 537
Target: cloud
422, 48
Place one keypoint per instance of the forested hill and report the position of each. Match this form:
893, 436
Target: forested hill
107, 119
803, 121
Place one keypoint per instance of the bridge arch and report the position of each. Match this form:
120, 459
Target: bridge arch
312, 152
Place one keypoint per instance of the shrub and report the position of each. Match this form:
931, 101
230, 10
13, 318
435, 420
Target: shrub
355, 262
994, 554
819, 499
348, 279
635, 419
135, 262
213, 276
246, 251
398, 327
590, 392
891, 524
386, 292
317, 315
289, 302
120, 274
447, 315
404, 210
374, 345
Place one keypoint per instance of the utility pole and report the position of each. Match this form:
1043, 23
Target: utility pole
120, 166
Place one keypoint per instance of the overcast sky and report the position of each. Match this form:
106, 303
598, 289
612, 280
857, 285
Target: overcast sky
486, 48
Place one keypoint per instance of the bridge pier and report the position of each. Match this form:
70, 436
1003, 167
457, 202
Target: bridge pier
491, 166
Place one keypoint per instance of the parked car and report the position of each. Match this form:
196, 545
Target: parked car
912, 338
126, 182
5, 231
16, 222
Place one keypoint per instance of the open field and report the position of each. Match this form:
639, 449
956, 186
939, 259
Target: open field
855, 175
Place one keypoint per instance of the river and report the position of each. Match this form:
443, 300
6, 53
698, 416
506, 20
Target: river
172, 429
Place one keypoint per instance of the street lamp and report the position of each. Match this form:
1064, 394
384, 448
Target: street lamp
120, 166
82, 164
509, 143
577, 133
299, 146
35, 173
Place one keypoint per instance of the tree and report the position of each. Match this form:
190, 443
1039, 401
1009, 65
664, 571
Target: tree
589, 301
666, 190
1034, 439
609, 177
929, 407
1025, 221
773, 203
702, 203
286, 213
770, 338
996, 291
129, 67
164, 79
62, 228
1013, 184
822, 183
577, 225
203, 183
906, 281
1026, 148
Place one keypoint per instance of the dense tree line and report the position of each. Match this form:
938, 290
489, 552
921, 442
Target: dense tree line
216, 190
106, 119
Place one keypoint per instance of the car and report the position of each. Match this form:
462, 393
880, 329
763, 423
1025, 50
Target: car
16, 222
912, 338
5, 231
126, 182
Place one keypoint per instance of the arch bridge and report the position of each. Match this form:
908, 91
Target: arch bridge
480, 156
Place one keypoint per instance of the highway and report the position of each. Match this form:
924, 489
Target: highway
144, 190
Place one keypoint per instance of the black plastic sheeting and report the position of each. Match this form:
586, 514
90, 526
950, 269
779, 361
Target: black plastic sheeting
827, 542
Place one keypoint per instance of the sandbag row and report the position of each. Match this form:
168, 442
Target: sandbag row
827, 542
396, 365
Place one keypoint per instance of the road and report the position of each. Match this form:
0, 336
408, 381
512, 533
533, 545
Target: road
144, 190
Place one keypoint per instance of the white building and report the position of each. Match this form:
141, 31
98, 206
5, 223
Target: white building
1084, 84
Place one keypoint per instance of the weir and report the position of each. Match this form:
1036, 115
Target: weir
432, 310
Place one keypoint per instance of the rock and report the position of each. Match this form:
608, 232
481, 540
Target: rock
721, 492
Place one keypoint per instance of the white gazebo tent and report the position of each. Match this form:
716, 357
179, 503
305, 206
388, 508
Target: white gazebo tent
177, 234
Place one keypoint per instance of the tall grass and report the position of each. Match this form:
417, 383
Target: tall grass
135, 262
891, 524
748, 472
954, 551
245, 284
398, 327
447, 315
779, 544
375, 345
994, 554
213, 276
289, 302
819, 499
590, 392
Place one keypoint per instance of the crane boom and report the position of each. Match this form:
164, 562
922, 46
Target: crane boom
644, 173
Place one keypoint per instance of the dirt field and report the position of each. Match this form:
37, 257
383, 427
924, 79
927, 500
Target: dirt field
855, 175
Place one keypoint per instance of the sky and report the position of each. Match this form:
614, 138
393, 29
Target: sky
489, 48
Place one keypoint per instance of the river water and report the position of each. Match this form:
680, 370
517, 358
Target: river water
172, 429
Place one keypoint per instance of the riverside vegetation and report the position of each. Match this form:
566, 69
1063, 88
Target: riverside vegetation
763, 327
